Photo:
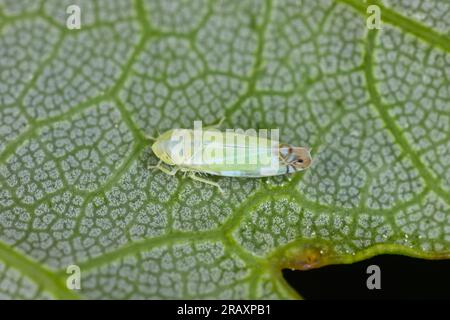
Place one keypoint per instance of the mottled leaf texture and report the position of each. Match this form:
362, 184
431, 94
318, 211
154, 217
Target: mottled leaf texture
76, 107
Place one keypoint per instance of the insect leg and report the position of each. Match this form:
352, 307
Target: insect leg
148, 137
215, 184
156, 166
165, 170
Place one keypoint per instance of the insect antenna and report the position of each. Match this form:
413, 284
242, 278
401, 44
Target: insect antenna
149, 137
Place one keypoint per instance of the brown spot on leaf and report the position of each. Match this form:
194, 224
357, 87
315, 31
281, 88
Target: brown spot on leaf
306, 257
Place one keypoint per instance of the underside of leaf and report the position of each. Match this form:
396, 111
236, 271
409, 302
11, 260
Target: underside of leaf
76, 107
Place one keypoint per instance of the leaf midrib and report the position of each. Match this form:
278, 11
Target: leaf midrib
419, 30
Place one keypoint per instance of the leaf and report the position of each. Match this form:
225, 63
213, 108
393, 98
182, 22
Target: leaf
76, 106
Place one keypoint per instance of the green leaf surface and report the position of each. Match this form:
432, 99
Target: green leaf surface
75, 106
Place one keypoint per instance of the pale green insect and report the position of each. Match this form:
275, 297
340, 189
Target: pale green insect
231, 154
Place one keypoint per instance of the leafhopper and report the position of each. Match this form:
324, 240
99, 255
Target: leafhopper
233, 153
